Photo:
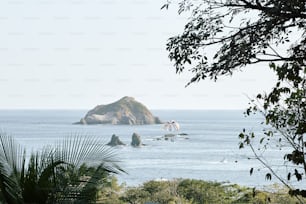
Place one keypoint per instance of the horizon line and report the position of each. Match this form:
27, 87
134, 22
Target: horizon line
153, 109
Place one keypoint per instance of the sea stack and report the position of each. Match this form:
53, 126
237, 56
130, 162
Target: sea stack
115, 141
136, 141
126, 111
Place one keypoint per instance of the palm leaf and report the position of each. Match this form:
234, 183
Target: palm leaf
7, 186
40, 183
89, 191
78, 149
10, 165
52, 174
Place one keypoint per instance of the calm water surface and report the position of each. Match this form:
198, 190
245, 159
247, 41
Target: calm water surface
209, 151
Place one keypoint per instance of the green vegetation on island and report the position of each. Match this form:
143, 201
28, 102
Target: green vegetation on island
126, 111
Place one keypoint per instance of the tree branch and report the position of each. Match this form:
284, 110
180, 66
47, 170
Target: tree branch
267, 10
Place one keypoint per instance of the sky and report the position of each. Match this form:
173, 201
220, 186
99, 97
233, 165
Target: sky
76, 54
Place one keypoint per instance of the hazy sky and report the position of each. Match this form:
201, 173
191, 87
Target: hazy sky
79, 53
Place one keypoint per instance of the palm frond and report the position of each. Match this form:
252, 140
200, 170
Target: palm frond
91, 187
39, 182
8, 190
53, 174
77, 150
11, 153
10, 165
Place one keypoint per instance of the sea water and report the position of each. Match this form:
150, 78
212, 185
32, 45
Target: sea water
209, 151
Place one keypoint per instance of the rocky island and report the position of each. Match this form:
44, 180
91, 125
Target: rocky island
115, 141
126, 111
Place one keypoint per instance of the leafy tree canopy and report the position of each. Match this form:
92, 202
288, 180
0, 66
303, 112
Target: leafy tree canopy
244, 31
249, 32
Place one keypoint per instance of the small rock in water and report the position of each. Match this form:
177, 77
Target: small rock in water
169, 135
115, 141
136, 141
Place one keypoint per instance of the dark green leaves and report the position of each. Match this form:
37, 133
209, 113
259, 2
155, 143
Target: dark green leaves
268, 176
251, 171
289, 176
251, 42
165, 6
298, 175
255, 40
296, 157
51, 175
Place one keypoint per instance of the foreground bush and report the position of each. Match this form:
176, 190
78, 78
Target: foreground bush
190, 191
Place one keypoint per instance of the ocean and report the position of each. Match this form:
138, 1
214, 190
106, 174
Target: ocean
209, 151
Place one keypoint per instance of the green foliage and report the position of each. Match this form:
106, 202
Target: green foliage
110, 191
126, 103
190, 191
201, 192
244, 32
284, 109
134, 196
263, 26
53, 175
152, 191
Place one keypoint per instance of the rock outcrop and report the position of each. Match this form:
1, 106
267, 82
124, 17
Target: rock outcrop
136, 141
115, 141
126, 111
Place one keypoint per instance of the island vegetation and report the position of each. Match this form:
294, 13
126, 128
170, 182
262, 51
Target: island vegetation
126, 111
